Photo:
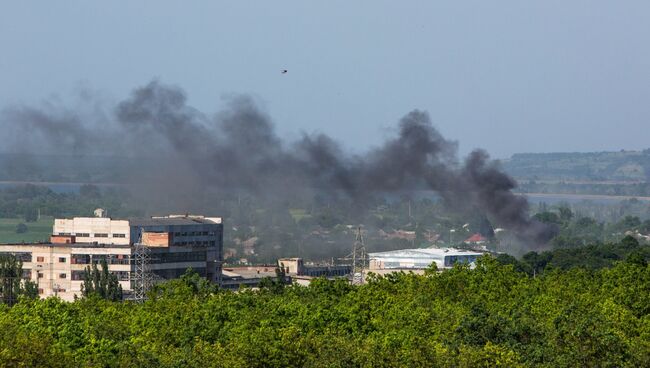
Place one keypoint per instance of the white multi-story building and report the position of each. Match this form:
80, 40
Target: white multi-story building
100, 230
176, 243
58, 268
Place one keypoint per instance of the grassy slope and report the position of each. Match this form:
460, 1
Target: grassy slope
593, 166
37, 231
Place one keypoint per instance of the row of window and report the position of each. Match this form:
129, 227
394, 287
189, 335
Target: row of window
123, 259
79, 275
116, 235
96, 235
40, 275
450, 260
204, 243
97, 258
41, 259
194, 233
88, 259
21, 256
58, 290
179, 257
169, 274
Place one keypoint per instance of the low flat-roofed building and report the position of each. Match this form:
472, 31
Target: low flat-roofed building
420, 258
297, 267
236, 277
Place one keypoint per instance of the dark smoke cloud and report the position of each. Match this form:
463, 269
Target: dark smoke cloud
239, 149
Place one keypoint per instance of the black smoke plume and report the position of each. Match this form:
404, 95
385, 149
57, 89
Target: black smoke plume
238, 149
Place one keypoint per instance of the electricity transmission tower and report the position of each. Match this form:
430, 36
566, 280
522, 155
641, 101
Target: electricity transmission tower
359, 259
142, 278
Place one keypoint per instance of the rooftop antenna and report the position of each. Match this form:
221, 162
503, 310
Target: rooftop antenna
359, 259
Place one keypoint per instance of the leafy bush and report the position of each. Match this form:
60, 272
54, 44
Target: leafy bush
21, 228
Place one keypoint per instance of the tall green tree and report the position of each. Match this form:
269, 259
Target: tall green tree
102, 284
12, 285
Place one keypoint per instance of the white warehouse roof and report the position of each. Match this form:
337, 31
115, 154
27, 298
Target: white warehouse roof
422, 257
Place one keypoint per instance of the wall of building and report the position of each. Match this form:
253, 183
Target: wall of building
94, 229
296, 266
291, 266
180, 232
420, 258
207, 234
56, 269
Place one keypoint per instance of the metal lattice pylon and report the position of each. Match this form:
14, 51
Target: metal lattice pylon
142, 279
359, 259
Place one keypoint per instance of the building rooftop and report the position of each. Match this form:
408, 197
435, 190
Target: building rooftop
424, 253
249, 271
173, 220
476, 238
66, 245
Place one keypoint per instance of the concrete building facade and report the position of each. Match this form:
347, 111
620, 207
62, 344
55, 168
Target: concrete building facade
297, 267
180, 232
175, 243
101, 230
58, 269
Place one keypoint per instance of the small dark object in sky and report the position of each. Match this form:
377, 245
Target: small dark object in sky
284, 71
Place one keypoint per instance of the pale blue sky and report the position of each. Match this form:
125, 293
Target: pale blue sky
508, 76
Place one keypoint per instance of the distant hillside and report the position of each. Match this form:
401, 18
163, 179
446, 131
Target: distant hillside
623, 166
75, 168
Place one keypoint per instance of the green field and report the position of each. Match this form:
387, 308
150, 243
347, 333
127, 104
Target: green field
36, 231
298, 214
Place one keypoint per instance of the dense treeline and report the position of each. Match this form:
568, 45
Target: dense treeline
593, 256
488, 316
27, 201
578, 229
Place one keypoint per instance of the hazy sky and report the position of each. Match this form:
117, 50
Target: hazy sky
507, 76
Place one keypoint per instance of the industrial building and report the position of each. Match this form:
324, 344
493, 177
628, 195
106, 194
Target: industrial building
297, 267
174, 244
237, 277
420, 258
183, 233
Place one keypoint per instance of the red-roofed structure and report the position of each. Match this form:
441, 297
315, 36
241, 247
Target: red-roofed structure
475, 239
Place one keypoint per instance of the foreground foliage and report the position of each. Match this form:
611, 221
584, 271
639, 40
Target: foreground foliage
489, 316
101, 284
